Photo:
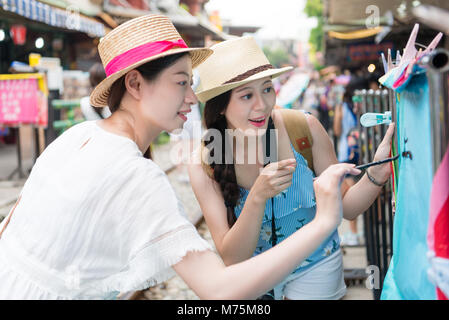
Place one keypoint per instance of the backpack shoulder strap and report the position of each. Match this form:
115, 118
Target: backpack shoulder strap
298, 130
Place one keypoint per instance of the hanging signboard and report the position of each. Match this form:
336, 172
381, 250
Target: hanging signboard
23, 100
367, 52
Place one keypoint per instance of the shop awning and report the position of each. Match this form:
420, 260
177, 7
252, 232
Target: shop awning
55, 17
357, 34
182, 19
338, 13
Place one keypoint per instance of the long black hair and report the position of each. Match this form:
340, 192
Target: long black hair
223, 172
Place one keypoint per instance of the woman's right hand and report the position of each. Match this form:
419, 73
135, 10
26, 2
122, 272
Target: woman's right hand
329, 211
274, 178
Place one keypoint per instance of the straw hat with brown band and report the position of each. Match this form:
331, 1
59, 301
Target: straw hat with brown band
137, 42
233, 63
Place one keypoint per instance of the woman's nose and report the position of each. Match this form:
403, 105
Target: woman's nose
259, 103
191, 97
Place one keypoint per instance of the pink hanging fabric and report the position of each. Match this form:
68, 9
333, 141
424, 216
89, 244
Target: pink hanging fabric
438, 234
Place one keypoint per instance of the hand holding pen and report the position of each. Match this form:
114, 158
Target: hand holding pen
375, 163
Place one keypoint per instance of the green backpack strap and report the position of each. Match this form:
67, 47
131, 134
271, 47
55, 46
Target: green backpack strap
298, 130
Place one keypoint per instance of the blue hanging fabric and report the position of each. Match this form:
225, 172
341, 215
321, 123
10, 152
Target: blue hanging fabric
407, 274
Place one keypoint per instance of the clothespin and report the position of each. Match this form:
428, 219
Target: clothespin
409, 70
373, 119
432, 45
410, 50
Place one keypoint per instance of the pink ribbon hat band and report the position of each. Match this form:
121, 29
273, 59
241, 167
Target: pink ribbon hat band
139, 53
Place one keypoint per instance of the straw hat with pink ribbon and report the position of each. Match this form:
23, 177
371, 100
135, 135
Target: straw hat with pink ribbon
137, 42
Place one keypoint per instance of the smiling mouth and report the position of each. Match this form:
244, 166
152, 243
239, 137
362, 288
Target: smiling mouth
258, 122
185, 111
183, 114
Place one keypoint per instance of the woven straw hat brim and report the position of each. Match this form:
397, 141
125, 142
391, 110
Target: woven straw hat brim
208, 94
99, 96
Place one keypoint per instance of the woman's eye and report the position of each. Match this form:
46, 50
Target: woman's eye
268, 90
182, 83
247, 96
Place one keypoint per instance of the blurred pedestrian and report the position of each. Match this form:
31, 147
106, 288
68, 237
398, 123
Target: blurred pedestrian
345, 121
345, 129
323, 109
96, 75
310, 101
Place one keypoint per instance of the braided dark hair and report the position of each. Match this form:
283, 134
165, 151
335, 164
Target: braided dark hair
223, 172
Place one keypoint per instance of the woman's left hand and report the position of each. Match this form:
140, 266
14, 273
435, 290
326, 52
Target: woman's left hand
382, 172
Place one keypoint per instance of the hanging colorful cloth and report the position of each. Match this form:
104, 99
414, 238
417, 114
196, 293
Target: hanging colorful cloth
438, 233
407, 274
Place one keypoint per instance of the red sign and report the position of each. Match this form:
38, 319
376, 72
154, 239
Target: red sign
18, 34
21, 102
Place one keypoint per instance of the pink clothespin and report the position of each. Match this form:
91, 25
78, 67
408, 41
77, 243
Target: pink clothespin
409, 70
410, 50
407, 58
432, 45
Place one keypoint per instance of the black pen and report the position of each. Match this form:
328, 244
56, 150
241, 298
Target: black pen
364, 166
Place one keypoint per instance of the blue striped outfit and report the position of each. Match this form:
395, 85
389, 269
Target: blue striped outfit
292, 210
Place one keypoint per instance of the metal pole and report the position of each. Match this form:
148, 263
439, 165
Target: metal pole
437, 64
371, 130
372, 211
394, 144
364, 146
19, 155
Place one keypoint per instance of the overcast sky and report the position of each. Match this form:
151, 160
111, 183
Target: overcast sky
278, 18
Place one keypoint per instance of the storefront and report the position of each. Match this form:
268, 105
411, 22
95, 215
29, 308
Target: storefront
355, 38
66, 38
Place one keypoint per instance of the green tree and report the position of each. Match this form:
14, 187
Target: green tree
314, 8
276, 56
